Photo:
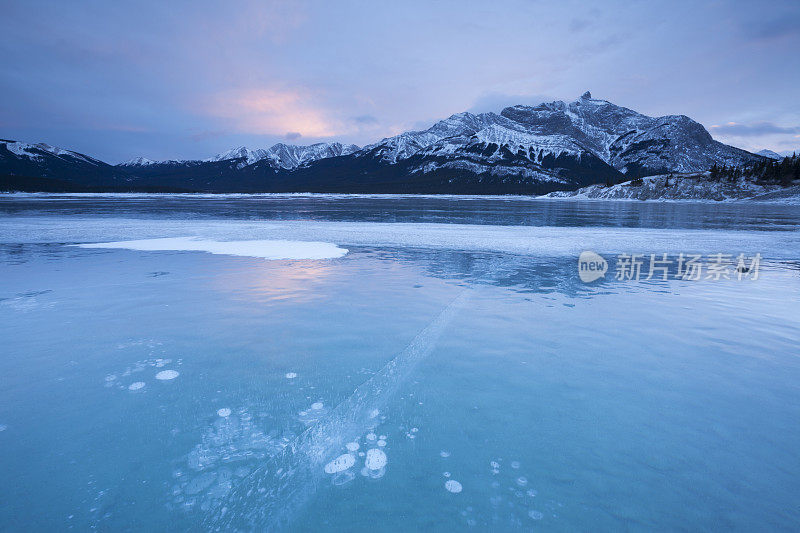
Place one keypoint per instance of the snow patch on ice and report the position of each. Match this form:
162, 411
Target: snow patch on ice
265, 249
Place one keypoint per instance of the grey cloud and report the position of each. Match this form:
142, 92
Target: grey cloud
754, 129
786, 26
365, 119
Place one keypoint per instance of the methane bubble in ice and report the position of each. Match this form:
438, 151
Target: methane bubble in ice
136, 385
314, 414
452, 486
515, 464
375, 460
371, 436
374, 463
224, 412
381, 443
340, 464
3, 427
166, 375
352, 446
522, 481
374, 413
444, 454
291, 375
536, 515
343, 477
446, 474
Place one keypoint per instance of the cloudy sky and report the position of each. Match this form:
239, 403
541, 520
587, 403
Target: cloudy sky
191, 79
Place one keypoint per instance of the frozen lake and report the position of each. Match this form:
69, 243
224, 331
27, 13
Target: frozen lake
326, 363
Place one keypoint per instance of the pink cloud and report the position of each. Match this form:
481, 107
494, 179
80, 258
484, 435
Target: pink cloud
272, 112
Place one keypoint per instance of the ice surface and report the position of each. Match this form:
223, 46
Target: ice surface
200, 483
265, 249
521, 240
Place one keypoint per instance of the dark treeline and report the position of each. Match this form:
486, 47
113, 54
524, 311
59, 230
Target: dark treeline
782, 171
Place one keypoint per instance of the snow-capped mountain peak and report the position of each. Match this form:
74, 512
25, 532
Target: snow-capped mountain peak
138, 162
241, 152
285, 156
290, 156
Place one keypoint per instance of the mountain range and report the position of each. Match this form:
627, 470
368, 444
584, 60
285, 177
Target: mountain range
522, 150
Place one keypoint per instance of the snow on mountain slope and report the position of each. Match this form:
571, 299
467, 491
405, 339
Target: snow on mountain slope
628, 141
138, 162
38, 151
38, 161
278, 156
770, 154
285, 156
405, 145
289, 156
247, 156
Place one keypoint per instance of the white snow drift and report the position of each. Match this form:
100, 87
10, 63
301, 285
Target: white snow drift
265, 249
